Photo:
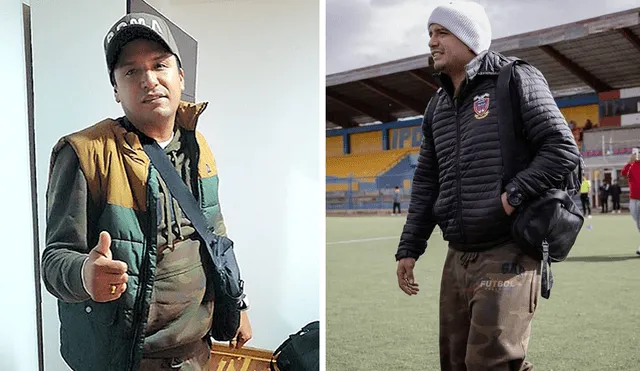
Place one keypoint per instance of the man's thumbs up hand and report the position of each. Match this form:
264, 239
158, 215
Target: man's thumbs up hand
104, 279
104, 245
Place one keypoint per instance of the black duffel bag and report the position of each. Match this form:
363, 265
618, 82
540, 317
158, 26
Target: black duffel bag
300, 352
546, 228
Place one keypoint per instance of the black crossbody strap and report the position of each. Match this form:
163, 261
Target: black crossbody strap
180, 192
510, 125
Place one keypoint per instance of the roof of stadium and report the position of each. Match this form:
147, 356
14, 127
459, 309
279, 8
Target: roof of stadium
585, 57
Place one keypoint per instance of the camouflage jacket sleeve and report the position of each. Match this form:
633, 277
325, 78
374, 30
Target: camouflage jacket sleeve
220, 227
66, 230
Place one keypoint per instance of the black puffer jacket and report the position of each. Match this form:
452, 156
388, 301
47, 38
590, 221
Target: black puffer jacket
458, 184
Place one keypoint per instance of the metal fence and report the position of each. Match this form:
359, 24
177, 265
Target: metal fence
374, 193
605, 152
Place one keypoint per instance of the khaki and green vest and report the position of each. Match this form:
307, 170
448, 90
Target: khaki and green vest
123, 185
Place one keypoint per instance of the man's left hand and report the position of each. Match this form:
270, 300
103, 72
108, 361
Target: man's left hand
505, 204
244, 332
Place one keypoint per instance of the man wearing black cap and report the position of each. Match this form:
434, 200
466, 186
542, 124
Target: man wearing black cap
121, 257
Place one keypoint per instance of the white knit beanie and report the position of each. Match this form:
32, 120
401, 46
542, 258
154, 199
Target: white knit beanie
467, 20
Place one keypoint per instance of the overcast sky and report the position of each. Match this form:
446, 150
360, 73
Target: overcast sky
366, 32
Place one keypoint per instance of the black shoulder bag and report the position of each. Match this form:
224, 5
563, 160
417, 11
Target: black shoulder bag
546, 227
228, 286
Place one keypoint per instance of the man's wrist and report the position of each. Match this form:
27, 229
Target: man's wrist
84, 285
406, 253
515, 198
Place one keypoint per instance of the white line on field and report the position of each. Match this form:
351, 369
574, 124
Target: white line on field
364, 240
372, 239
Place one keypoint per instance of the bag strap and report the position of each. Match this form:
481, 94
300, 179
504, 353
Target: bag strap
513, 137
429, 112
427, 121
181, 193
547, 275
510, 124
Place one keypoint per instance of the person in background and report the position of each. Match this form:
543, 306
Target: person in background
396, 201
615, 196
581, 139
585, 188
575, 130
588, 125
632, 171
603, 193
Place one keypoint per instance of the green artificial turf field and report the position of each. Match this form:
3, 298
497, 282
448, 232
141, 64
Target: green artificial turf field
591, 321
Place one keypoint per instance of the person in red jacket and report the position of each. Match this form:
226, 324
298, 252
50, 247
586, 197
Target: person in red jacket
632, 171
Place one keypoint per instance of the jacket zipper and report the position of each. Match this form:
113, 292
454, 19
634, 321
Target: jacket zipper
194, 171
152, 226
138, 314
459, 186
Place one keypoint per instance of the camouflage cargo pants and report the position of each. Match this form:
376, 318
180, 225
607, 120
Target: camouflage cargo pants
487, 302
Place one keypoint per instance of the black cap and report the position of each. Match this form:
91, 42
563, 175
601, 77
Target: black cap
137, 26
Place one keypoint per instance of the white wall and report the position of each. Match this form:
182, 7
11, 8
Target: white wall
71, 91
18, 336
258, 68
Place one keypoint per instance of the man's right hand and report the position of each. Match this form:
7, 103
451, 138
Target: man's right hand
105, 279
405, 276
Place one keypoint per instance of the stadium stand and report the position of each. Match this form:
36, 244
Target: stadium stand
364, 165
374, 113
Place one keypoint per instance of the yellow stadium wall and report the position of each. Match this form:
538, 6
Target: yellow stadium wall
410, 137
366, 142
580, 114
341, 187
335, 147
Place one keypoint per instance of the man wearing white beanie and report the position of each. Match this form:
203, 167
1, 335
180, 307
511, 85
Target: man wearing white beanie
489, 288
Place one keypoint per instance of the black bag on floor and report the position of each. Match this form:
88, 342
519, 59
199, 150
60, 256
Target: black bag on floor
300, 352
